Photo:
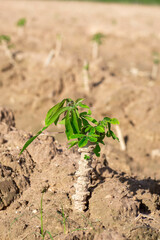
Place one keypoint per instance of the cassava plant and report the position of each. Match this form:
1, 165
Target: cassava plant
155, 66
54, 52
86, 76
21, 24
5, 44
83, 130
97, 40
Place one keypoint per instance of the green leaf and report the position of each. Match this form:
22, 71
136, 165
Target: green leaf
86, 157
92, 130
83, 105
111, 120
93, 135
74, 121
62, 121
5, 38
82, 114
109, 126
101, 141
72, 143
92, 139
85, 122
21, 22
79, 100
53, 111
108, 134
90, 119
77, 136
100, 129
114, 121
76, 109
31, 140
88, 128
53, 119
83, 142
89, 112
114, 136
68, 126
97, 150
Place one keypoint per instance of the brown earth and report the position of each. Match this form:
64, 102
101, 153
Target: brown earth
125, 185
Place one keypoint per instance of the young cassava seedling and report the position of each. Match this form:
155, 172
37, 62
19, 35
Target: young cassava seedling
155, 66
54, 52
5, 43
86, 76
97, 40
21, 24
83, 130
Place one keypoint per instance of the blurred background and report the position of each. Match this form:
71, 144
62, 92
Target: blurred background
108, 53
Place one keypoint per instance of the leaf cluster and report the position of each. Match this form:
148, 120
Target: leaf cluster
21, 22
98, 38
156, 58
5, 38
80, 127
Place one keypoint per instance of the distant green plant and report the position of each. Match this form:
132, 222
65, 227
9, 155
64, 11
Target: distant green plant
21, 22
5, 38
86, 66
98, 38
78, 125
156, 57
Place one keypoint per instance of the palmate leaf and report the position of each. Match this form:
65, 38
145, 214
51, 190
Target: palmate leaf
31, 140
52, 111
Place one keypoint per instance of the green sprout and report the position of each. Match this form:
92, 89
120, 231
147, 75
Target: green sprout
98, 38
156, 58
86, 66
155, 66
21, 22
5, 38
86, 132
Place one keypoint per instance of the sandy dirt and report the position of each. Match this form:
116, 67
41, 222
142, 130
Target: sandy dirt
124, 201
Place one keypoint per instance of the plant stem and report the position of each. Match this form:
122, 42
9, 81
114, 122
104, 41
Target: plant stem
86, 77
121, 139
95, 50
49, 57
83, 179
58, 46
154, 72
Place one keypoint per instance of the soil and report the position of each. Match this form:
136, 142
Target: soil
124, 201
